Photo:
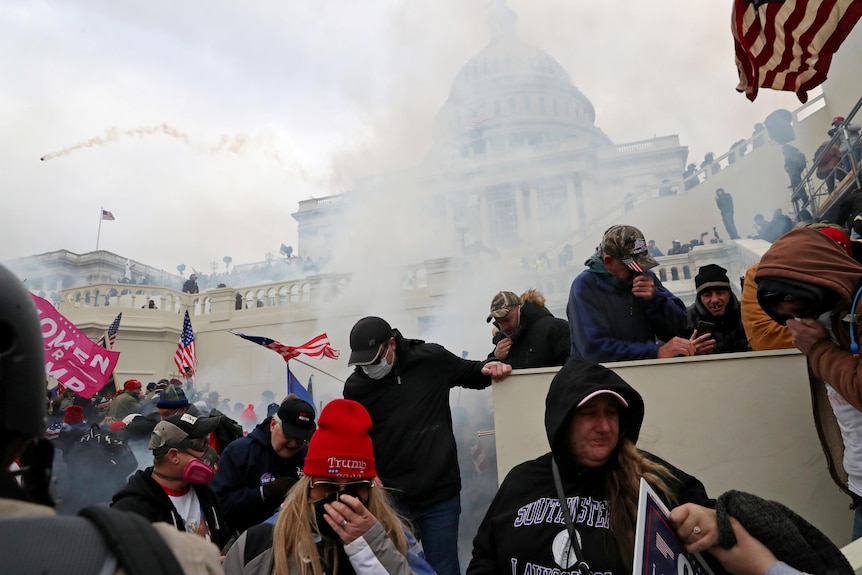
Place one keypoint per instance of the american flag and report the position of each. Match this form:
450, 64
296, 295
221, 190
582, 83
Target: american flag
788, 44
106, 215
111, 333
317, 347
663, 547
185, 355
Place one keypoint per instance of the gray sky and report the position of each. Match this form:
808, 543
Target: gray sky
217, 117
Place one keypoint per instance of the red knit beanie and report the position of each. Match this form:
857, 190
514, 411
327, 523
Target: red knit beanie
74, 414
341, 446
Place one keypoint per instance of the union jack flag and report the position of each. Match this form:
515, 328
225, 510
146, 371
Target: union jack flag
317, 347
111, 333
185, 355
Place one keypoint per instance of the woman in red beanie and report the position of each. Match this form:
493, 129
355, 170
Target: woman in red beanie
334, 520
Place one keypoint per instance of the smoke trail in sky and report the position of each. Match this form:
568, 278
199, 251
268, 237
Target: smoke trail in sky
114, 133
235, 144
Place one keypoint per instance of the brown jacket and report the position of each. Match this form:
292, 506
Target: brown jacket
809, 256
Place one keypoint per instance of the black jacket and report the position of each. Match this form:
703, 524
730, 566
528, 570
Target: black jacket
414, 446
728, 332
144, 496
524, 530
541, 339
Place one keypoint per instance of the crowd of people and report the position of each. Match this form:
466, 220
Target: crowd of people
376, 482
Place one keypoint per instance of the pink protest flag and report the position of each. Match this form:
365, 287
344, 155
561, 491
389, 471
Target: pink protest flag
70, 357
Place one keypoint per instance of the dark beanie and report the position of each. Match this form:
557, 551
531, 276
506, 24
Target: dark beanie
172, 397
711, 276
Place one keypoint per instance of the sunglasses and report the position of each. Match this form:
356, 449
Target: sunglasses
322, 489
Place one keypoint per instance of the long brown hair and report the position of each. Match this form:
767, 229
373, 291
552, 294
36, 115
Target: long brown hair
622, 487
292, 542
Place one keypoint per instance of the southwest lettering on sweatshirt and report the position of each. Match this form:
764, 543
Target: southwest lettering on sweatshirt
585, 511
533, 569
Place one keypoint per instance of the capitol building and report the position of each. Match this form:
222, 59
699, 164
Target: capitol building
514, 193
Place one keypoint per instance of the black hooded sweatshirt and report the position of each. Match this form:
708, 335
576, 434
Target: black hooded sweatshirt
144, 496
524, 531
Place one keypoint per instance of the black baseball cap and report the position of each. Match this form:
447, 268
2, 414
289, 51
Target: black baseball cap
366, 339
297, 418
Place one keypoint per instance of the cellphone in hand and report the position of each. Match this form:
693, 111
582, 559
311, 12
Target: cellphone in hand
704, 327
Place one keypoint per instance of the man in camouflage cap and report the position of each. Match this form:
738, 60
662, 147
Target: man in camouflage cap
526, 333
618, 309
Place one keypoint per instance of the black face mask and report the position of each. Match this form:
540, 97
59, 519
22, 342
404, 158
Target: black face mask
326, 531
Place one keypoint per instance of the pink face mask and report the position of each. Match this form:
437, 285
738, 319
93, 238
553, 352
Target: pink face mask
199, 471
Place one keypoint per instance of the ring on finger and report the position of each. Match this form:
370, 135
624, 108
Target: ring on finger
697, 530
344, 523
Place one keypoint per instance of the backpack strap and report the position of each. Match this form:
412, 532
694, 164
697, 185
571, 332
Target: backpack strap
137, 545
258, 539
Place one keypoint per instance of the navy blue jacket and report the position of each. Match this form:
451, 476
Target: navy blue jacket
245, 466
608, 323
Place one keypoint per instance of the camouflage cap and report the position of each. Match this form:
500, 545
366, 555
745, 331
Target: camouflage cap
502, 303
627, 244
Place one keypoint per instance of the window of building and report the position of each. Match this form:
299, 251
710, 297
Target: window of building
527, 105
551, 200
502, 216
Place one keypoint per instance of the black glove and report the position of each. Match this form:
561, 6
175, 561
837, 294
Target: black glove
276, 490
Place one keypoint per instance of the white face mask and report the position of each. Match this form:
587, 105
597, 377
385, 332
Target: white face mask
380, 369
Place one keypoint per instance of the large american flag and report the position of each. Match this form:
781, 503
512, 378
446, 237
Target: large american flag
185, 355
788, 44
111, 333
317, 347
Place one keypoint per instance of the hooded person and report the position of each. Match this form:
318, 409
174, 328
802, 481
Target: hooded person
716, 304
618, 309
592, 420
807, 282
335, 520
175, 488
526, 333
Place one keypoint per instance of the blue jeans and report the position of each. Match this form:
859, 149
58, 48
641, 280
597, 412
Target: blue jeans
437, 529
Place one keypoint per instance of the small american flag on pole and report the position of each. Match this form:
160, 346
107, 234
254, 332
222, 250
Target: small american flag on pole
111, 333
185, 356
317, 347
106, 215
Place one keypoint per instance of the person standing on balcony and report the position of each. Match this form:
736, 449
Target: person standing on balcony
724, 201
619, 310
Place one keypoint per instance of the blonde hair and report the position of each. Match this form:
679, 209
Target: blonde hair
292, 541
622, 487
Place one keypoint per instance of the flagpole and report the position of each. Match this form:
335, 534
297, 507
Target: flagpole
317, 368
99, 233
